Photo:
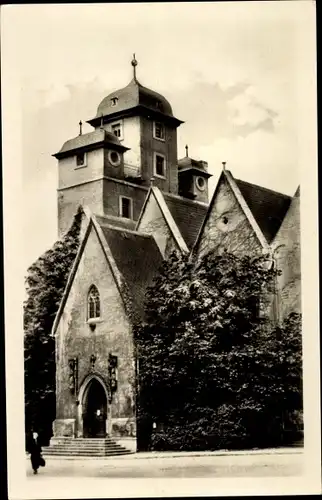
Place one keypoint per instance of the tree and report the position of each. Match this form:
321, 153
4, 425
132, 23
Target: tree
45, 284
207, 370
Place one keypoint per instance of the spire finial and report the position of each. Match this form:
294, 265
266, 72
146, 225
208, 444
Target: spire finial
186, 148
80, 127
101, 121
134, 64
223, 165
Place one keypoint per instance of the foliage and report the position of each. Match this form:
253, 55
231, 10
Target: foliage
45, 284
212, 372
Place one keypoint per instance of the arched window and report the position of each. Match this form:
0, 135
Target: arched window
93, 303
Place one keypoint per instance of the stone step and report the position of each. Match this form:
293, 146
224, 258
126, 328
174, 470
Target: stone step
85, 447
79, 453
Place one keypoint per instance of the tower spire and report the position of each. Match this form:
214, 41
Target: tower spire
134, 63
186, 148
80, 127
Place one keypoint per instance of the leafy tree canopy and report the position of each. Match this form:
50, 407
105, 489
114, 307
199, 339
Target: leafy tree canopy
45, 284
210, 362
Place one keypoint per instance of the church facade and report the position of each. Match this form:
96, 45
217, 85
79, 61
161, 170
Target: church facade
140, 203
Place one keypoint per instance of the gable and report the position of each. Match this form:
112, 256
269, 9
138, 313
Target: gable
92, 268
156, 220
227, 227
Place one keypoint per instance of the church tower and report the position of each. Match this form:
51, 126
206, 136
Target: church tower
133, 144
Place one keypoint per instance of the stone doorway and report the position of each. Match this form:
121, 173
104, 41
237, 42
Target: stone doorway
94, 410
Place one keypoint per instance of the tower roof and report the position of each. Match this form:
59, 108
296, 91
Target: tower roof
133, 98
134, 94
91, 140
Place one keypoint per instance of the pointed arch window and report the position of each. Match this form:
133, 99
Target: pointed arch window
93, 303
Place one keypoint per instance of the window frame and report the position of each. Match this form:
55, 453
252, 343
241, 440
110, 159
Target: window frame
97, 304
114, 101
119, 158
115, 124
164, 176
121, 197
203, 187
162, 139
85, 160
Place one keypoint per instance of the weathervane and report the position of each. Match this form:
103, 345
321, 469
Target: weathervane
80, 127
223, 165
186, 148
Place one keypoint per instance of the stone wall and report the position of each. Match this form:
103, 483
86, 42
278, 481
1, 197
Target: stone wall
76, 338
227, 227
154, 223
89, 194
111, 197
287, 253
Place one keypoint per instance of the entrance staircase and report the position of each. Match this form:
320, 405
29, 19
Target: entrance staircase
85, 447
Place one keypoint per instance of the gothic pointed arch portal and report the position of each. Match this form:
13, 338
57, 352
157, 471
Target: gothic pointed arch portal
93, 408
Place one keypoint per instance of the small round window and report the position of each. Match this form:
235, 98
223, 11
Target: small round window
201, 183
114, 158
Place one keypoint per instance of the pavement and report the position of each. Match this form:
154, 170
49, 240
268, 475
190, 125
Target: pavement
280, 462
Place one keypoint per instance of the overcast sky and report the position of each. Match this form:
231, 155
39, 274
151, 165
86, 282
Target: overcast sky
234, 72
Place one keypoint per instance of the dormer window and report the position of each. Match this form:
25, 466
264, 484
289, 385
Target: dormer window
81, 160
114, 101
159, 106
158, 131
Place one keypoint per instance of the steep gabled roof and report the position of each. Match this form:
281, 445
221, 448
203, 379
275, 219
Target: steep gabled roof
138, 259
267, 206
134, 259
188, 215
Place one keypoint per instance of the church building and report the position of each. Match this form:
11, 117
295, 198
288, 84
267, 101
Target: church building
140, 203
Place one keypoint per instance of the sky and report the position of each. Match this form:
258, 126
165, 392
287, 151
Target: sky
234, 72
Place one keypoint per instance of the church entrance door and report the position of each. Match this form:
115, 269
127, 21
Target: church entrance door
95, 411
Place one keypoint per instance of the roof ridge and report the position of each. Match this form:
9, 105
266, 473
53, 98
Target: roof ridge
186, 200
265, 188
123, 229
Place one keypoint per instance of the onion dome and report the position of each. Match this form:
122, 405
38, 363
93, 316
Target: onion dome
133, 99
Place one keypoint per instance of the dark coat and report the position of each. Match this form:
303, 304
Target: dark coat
35, 454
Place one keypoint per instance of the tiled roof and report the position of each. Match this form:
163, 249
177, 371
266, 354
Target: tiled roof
267, 206
134, 94
188, 215
116, 221
89, 139
138, 259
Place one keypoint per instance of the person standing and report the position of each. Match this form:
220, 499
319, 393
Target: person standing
35, 453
